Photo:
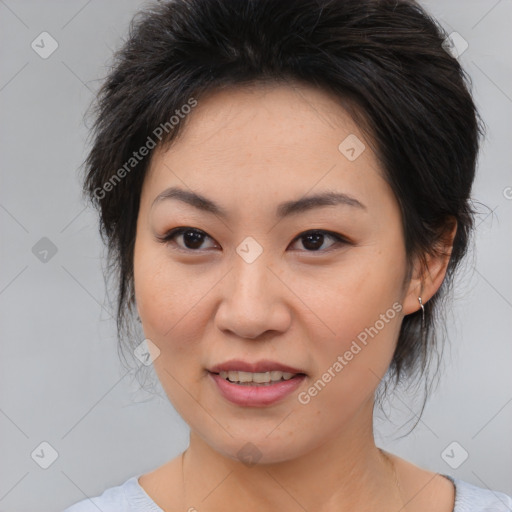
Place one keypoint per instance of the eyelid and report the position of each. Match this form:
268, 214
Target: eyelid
337, 237
168, 238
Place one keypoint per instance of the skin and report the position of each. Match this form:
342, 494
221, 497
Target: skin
248, 150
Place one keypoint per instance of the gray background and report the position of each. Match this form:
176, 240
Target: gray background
60, 376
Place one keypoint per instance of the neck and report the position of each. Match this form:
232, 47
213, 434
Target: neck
343, 473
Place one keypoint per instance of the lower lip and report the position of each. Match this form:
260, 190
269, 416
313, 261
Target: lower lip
256, 395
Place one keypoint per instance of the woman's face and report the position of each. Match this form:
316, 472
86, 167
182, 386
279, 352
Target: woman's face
260, 277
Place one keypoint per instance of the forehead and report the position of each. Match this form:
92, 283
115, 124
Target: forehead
266, 114
263, 139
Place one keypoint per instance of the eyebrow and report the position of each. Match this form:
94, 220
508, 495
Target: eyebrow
285, 209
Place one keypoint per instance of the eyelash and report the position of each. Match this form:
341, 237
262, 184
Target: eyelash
168, 238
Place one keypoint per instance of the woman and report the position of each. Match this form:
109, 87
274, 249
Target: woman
284, 190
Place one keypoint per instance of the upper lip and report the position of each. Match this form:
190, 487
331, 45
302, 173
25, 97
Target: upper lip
262, 366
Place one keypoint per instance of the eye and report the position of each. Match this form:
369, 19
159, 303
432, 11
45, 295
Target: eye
314, 240
194, 238
191, 238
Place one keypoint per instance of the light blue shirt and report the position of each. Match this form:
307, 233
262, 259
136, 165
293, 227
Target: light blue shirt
131, 497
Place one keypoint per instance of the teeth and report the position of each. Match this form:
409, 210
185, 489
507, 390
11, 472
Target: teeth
257, 378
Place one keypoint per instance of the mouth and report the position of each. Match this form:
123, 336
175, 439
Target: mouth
258, 378
260, 373
255, 384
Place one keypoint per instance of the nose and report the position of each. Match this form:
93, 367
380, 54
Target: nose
253, 301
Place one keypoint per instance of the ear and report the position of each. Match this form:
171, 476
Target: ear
427, 276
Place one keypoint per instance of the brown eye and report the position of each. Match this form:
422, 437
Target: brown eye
314, 240
192, 239
186, 238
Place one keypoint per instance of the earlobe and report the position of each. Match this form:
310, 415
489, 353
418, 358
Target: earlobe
415, 289
429, 272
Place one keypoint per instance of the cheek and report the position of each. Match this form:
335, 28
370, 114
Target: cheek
169, 301
359, 316
353, 295
173, 310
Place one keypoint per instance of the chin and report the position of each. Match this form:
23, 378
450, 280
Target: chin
254, 449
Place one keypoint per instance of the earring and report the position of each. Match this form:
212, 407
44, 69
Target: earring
422, 313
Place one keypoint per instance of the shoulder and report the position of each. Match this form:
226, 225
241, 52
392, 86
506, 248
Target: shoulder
471, 498
129, 497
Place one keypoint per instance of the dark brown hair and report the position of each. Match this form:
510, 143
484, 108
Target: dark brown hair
383, 59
